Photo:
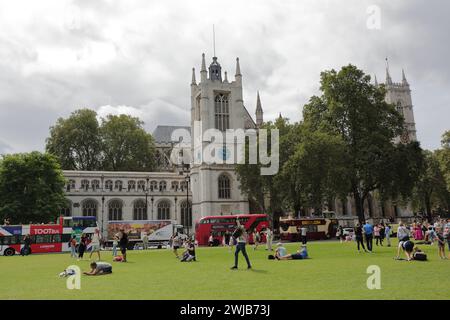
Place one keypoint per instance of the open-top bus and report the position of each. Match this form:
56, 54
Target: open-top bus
45, 238
318, 228
218, 225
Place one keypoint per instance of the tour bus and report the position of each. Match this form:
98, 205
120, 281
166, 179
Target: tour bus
159, 232
318, 228
45, 238
218, 225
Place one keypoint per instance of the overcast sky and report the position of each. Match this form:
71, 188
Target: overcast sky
136, 57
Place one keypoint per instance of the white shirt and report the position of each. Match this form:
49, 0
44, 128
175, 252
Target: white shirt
304, 230
96, 239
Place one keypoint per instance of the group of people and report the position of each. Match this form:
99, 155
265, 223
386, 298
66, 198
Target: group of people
228, 240
422, 233
79, 246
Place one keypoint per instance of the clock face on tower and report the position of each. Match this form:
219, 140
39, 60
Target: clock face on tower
405, 137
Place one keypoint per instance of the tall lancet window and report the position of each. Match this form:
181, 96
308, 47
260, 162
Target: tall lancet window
222, 112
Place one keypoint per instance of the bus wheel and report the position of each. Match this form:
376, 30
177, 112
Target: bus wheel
9, 252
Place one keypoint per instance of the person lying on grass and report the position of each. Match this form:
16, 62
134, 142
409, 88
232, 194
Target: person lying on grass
99, 268
281, 253
412, 252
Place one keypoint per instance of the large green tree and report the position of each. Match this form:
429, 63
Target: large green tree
354, 109
31, 187
316, 172
431, 190
126, 145
76, 141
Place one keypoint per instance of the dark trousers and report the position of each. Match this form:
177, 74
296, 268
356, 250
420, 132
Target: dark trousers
359, 241
241, 247
369, 241
304, 240
81, 249
379, 239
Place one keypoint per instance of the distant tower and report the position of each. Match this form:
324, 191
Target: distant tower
399, 94
216, 104
259, 111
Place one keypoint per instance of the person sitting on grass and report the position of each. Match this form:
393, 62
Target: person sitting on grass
99, 268
280, 252
189, 253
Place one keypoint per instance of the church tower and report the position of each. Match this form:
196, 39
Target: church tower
399, 94
218, 104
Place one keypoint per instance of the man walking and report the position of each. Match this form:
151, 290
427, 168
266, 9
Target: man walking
268, 239
241, 236
303, 233
368, 231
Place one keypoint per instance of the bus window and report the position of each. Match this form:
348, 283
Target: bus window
67, 223
66, 238
312, 228
56, 238
47, 238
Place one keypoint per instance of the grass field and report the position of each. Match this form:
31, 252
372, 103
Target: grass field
335, 271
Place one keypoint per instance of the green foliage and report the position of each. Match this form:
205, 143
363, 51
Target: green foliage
119, 143
31, 187
354, 109
76, 141
126, 145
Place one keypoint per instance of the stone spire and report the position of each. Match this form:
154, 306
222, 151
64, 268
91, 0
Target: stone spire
259, 111
226, 77
203, 71
376, 81
404, 81
238, 69
388, 76
193, 77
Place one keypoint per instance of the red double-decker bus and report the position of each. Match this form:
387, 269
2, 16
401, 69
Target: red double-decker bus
218, 225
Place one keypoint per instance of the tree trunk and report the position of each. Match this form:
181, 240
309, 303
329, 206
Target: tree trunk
359, 206
428, 207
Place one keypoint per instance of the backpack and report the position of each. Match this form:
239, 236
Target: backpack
420, 256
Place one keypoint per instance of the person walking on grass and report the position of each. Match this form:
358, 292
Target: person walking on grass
95, 244
440, 243
82, 246
176, 243
241, 235
387, 234
359, 237
145, 241
73, 247
269, 237
123, 243
114, 245
256, 239
368, 231
303, 234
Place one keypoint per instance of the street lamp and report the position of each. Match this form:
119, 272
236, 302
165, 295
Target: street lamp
103, 205
146, 196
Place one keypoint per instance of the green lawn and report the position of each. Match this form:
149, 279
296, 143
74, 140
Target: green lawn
335, 271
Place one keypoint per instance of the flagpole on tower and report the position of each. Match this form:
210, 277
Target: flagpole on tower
214, 41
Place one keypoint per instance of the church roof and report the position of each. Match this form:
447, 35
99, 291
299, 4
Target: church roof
163, 134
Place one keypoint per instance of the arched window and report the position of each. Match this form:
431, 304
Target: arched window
399, 107
183, 185
164, 210
224, 187
115, 210
95, 185
89, 208
139, 210
162, 186
222, 115
118, 185
131, 185
186, 214
109, 185
85, 184
66, 211
174, 185
70, 185
153, 185
141, 185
